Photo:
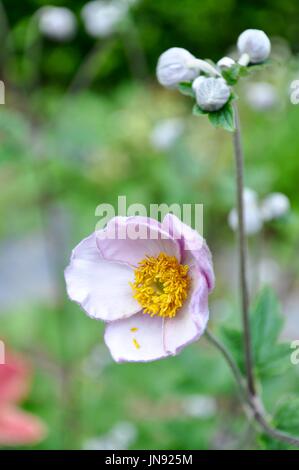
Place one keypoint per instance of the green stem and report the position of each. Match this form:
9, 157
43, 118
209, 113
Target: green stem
239, 160
254, 403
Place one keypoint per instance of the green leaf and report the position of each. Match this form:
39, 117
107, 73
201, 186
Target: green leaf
197, 111
232, 74
233, 339
266, 322
286, 418
223, 118
186, 89
270, 357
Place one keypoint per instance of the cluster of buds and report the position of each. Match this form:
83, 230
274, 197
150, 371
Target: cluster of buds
257, 213
210, 84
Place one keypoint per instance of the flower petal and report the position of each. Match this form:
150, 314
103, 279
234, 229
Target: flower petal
191, 320
138, 338
194, 250
15, 376
130, 239
19, 428
101, 287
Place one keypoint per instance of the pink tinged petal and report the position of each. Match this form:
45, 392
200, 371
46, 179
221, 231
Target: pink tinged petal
19, 428
194, 250
102, 288
14, 379
138, 338
130, 239
191, 320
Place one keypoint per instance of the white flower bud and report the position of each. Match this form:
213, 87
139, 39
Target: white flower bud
256, 44
211, 93
261, 96
102, 18
57, 23
274, 206
225, 62
166, 133
250, 196
176, 65
253, 221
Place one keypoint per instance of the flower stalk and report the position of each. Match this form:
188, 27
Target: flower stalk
253, 403
242, 246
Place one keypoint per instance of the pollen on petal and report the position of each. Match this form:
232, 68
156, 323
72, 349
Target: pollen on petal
136, 344
161, 285
134, 329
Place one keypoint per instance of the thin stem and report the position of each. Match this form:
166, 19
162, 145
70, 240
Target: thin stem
254, 403
275, 433
229, 359
239, 160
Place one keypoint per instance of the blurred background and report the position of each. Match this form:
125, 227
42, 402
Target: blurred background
84, 121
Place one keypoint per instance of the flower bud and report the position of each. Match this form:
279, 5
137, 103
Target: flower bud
274, 206
166, 133
176, 65
102, 18
58, 23
256, 44
225, 63
253, 221
261, 96
211, 93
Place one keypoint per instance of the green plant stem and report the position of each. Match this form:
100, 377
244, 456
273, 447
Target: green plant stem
242, 245
254, 403
229, 359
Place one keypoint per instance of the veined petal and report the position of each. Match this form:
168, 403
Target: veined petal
130, 239
101, 287
191, 320
139, 338
194, 250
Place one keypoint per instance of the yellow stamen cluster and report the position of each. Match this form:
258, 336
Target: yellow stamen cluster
161, 285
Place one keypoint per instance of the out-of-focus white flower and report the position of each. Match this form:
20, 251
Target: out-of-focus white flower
211, 93
250, 196
256, 44
225, 62
176, 65
261, 96
101, 18
274, 206
253, 221
166, 133
199, 406
57, 23
120, 437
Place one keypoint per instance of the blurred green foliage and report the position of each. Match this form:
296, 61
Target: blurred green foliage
207, 28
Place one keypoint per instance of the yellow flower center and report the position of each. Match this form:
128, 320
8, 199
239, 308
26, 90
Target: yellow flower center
161, 285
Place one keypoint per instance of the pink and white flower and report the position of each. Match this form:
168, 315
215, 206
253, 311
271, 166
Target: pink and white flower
148, 281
